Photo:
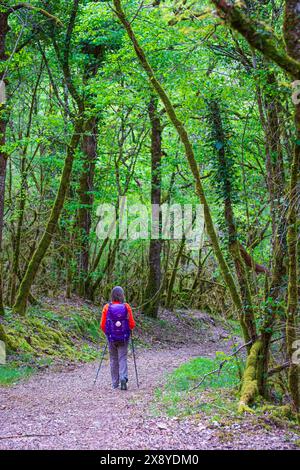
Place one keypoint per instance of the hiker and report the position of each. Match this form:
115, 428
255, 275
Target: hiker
117, 322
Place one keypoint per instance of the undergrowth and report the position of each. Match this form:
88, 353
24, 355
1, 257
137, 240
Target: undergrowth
215, 394
61, 331
9, 374
216, 398
58, 332
47, 335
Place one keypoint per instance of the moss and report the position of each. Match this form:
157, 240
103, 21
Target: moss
12, 341
249, 386
17, 342
284, 411
2, 333
10, 374
56, 334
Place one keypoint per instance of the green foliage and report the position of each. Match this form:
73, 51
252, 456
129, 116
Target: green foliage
176, 396
10, 374
212, 76
187, 375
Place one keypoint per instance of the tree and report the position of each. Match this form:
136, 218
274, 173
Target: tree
153, 289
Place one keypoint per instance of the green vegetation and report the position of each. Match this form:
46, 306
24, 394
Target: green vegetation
178, 398
59, 332
180, 103
187, 375
50, 335
10, 374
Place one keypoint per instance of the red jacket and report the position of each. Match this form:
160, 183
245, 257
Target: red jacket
104, 315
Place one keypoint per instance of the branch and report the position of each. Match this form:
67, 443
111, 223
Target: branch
218, 370
64, 58
279, 368
249, 261
21, 436
258, 35
211, 282
43, 12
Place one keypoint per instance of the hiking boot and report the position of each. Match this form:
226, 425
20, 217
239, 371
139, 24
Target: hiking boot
124, 384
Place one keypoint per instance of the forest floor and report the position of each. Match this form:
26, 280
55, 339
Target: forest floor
59, 408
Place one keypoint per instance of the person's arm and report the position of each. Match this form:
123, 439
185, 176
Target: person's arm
130, 317
103, 318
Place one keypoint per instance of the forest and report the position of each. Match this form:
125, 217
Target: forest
153, 104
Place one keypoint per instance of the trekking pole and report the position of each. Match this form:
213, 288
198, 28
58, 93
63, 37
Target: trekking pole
104, 350
133, 352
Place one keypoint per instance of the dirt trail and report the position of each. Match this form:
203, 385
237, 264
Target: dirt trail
62, 410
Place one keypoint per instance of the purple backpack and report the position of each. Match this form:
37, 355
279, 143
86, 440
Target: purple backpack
117, 325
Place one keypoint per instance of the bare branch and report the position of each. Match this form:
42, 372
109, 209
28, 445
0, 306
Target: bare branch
279, 368
218, 370
27, 6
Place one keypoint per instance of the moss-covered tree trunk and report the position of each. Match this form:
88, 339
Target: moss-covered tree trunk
225, 177
276, 187
3, 162
174, 273
287, 55
110, 261
249, 389
259, 35
291, 35
24, 167
3, 154
34, 264
23, 292
292, 305
153, 288
95, 57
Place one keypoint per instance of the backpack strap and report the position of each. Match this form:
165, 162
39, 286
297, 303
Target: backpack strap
126, 311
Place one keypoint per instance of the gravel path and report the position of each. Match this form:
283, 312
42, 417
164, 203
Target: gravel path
62, 410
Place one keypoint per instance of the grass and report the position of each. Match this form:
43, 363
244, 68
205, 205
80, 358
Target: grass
176, 398
188, 374
10, 374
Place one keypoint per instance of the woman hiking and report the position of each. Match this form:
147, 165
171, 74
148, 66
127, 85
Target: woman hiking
117, 322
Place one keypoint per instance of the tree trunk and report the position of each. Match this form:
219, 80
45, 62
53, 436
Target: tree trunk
3, 161
107, 268
225, 180
3, 156
152, 292
250, 386
24, 168
173, 275
291, 32
276, 186
89, 148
